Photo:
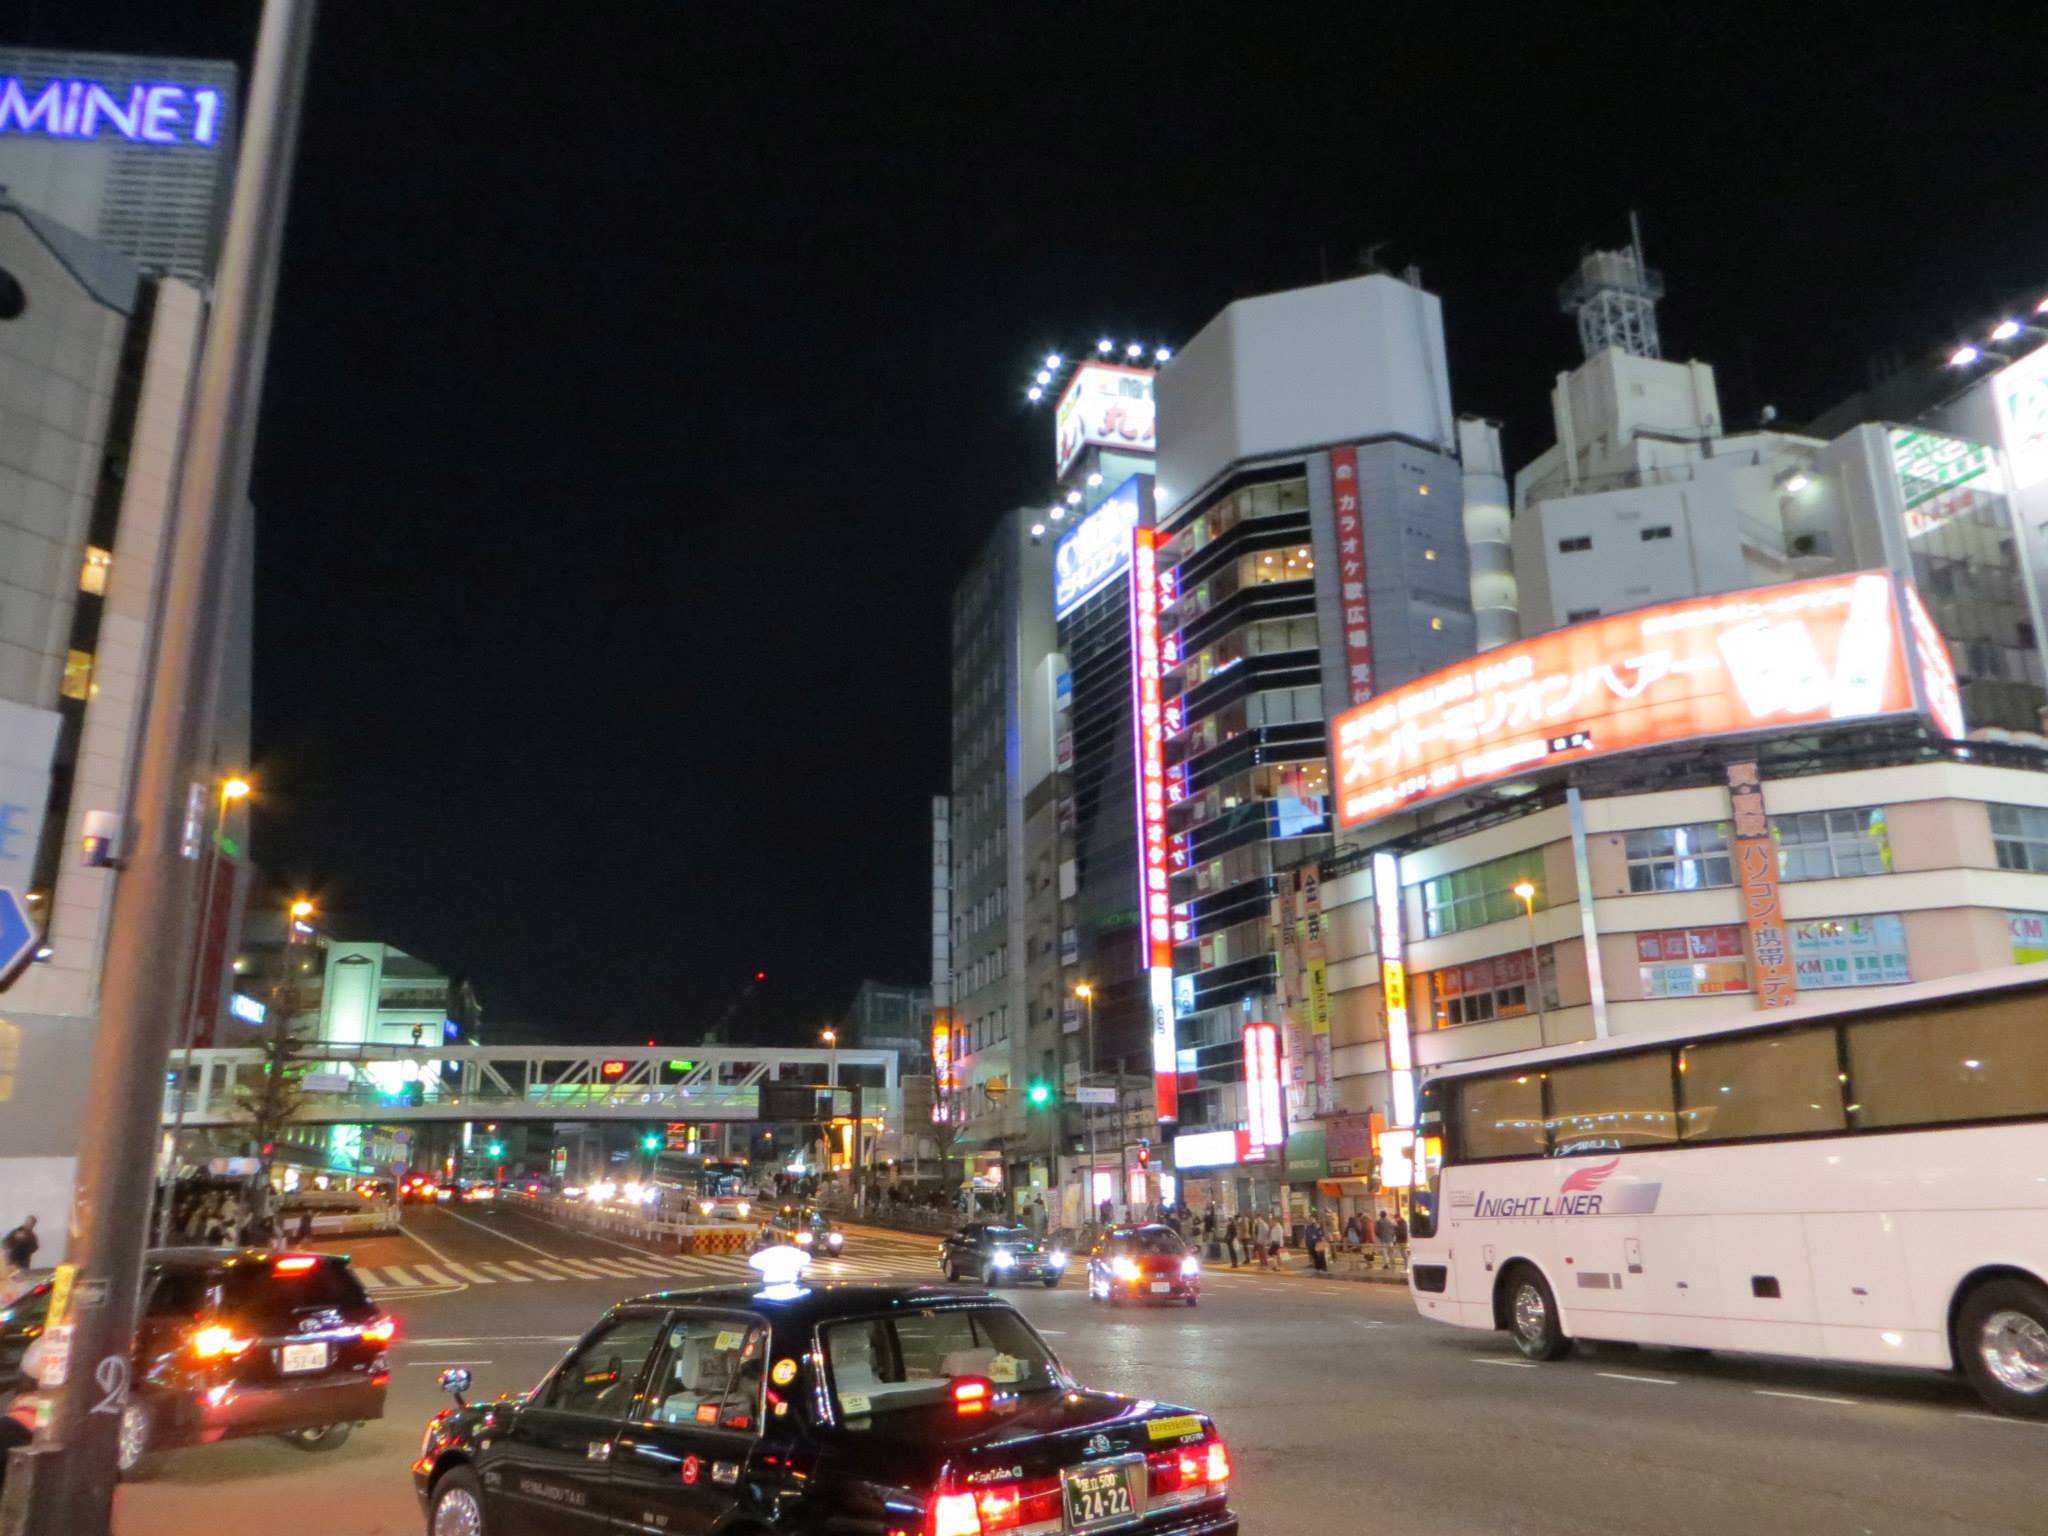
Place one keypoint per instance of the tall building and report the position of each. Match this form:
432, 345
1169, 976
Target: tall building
1312, 553
1002, 630
116, 174
136, 154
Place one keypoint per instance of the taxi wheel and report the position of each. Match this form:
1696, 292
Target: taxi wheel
328, 1437
458, 1505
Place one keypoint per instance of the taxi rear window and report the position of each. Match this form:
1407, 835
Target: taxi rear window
911, 1359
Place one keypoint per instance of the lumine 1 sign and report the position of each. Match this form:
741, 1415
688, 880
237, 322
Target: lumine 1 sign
172, 116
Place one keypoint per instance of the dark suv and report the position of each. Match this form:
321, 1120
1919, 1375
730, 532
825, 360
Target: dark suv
236, 1342
993, 1253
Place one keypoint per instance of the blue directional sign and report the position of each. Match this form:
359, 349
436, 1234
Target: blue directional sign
17, 932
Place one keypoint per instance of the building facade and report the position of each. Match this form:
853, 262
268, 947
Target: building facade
1313, 554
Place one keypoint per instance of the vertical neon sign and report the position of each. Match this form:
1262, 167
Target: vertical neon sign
942, 1069
1148, 739
1386, 900
1262, 1085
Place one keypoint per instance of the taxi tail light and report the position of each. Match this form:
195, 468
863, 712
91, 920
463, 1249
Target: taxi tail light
1188, 1467
954, 1514
1216, 1463
382, 1331
295, 1264
995, 1507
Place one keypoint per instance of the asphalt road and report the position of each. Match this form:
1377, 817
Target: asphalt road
1346, 1413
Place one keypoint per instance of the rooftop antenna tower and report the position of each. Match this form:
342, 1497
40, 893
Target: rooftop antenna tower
1615, 294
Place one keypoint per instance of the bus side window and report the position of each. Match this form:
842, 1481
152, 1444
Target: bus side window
1612, 1104
1782, 1084
1500, 1117
1981, 1060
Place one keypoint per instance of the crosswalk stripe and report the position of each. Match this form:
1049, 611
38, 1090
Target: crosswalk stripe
434, 1276
399, 1275
372, 1281
615, 1267
505, 1274
648, 1266
471, 1275
558, 1269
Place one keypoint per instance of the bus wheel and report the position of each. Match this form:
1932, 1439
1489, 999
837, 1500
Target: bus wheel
1532, 1314
2002, 1343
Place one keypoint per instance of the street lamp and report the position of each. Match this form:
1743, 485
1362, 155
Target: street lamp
1086, 993
1526, 891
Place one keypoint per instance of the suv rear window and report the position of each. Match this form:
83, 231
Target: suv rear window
269, 1298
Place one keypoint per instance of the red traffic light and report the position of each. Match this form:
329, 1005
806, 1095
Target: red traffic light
612, 1069
1144, 1156
760, 975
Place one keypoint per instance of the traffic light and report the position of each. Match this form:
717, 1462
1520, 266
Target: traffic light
1039, 1093
650, 1142
496, 1149
1144, 1155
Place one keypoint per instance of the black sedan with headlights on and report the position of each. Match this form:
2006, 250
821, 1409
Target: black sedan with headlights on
895, 1410
992, 1253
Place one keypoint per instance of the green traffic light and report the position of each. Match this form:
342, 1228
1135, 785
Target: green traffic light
650, 1142
497, 1149
1039, 1093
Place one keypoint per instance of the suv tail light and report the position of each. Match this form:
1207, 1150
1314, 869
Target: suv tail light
382, 1331
215, 1343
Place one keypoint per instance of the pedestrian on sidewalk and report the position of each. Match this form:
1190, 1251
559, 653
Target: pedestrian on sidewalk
1383, 1234
1232, 1230
19, 1246
1318, 1256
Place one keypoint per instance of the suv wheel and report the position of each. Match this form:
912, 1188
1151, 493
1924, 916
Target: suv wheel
132, 1443
327, 1437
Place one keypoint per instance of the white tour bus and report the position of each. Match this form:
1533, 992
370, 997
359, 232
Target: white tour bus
1856, 1177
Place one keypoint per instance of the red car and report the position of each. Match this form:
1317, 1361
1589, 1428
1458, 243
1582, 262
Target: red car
1148, 1263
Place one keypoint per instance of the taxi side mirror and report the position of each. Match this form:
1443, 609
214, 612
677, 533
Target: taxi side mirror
455, 1382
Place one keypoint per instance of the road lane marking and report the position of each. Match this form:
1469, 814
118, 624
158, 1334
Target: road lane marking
435, 1275
471, 1275
503, 1237
1807, 1397
503, 1338
1999, 1418
437, 1253
555, 1269
506, 1274
613, 1268
1655, 1381
1520, 1365
400, 1275
430, 1364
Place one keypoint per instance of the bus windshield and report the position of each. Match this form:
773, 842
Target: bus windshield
704, 1178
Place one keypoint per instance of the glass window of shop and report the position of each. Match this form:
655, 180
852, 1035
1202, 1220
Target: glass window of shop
2019, 833
1868, 951
1831, 845
1689, 858
1485, 893
1494, 988
1270, 781
1254, 501
1691, 962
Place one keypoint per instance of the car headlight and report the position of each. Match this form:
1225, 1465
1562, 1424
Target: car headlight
804, 1238
1190, 1265
1056, 1259
1002, 1258
836, 1240
1124, 1269
744, 1207
704, 1206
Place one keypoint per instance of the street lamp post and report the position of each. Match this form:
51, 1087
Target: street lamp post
1086, 993
831, 1038
1526, 891
232, 789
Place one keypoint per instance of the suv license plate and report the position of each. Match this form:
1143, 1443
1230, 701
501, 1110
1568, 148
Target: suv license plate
302, 1357
1098, 1496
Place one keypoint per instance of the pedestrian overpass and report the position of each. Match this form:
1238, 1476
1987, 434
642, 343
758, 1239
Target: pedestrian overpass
397, 1085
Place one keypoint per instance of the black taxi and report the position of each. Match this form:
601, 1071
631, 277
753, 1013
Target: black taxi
885, 1409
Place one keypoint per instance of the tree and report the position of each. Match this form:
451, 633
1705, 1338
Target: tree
271, 1106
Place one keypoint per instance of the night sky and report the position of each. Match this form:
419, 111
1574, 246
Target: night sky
646, 374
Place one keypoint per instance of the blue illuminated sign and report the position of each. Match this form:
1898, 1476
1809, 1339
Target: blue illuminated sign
246, 1008
1097, 551
172, 116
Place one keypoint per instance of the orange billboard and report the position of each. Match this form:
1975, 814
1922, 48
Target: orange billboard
1802, 654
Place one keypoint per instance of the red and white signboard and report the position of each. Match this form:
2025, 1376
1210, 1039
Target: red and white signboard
1107, 405
1804, 654
1267, 1128
1350, 520
1148, 758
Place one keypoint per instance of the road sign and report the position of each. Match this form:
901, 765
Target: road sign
1088, 1095
17, 932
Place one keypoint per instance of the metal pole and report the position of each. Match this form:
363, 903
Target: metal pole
188, 1025
1088, 1110
1535, 967
149, 932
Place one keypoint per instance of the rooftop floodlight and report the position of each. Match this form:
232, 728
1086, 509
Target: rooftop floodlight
1044, 377
1038, 530
1135, 349
2005, 330
1105, 345
2041, 308
1073, 498
1797, 481
1095, 477
1034, 393
1052, 359
1964, 355
1163, 354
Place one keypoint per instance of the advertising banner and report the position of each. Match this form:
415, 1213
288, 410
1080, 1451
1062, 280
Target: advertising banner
1095, 552
1803, 654
1349, 516
28, 738
1105, 405
1756, 867
1155, 920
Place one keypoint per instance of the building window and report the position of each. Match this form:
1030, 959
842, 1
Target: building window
1656, 533
1693, 858
1436, 621
1485, 893
1580, 615
1691, 962
1832, 845
1489, 989
1850, 951
1574, 546
2020, 834
77, 682
92, 575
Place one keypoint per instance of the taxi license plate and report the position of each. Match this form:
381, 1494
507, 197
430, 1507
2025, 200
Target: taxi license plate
1161, 1287
1098, 1496
302, 1357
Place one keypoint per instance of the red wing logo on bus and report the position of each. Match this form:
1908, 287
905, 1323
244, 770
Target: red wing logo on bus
1582, 1193
1589, 1179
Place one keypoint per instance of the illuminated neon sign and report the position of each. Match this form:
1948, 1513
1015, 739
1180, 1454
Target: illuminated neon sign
1148, 760
942, 1067
165, 115
1262, 1085
1094, 554
1804, 654
1386, 900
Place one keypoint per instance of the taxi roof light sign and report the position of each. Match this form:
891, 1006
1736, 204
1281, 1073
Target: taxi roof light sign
1794, 656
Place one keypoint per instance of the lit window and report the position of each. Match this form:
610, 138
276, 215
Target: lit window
1436, 621
1429, 554
2019, 833
1422, 490
77, 675
1830, 845
92, 576
1692, 858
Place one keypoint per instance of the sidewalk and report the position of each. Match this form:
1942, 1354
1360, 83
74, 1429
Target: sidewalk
1343, 1267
